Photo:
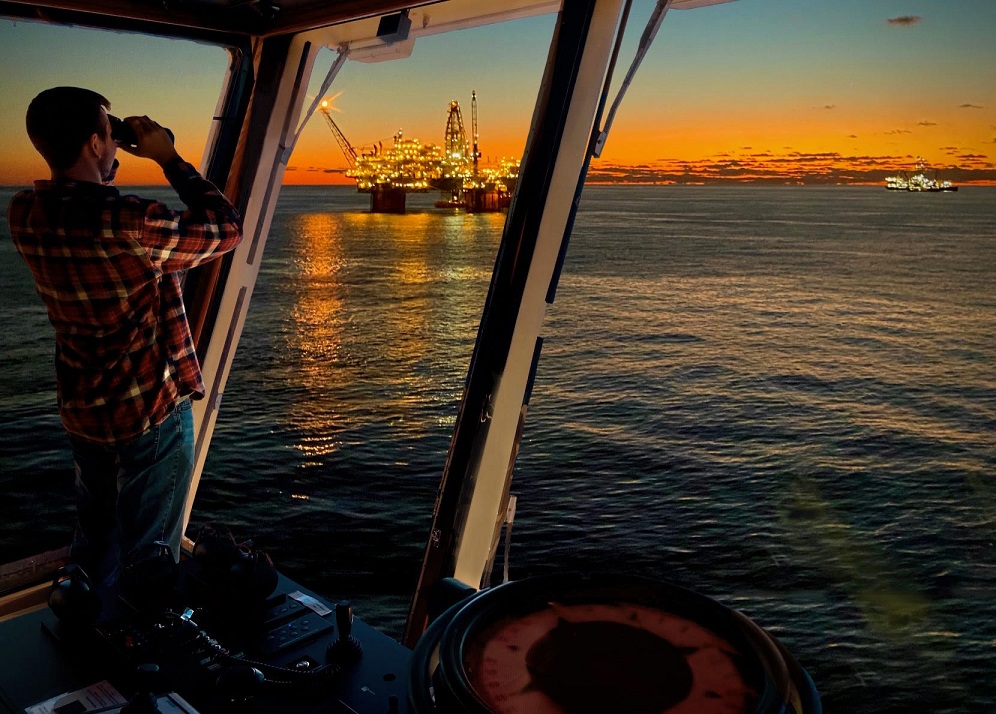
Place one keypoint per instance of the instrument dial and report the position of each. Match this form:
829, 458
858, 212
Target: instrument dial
591, 658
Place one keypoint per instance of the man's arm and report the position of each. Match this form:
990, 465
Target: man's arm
208, 228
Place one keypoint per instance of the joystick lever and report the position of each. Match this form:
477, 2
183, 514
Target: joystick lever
144, 700
344, 618
346, 649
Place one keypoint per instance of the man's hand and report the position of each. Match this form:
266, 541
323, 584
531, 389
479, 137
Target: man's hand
153, 141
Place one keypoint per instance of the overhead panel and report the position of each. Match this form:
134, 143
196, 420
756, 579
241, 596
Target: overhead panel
267, 18
367, 44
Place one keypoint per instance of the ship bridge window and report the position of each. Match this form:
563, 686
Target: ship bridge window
175, 82
344, 390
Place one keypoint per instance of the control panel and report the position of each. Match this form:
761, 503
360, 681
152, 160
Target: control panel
289, 652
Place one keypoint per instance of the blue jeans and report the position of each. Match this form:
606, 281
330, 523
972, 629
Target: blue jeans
130, 497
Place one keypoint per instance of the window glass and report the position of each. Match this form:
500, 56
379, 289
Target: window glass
343, 395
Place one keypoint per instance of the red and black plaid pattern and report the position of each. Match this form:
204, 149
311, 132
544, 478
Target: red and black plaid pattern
108, 268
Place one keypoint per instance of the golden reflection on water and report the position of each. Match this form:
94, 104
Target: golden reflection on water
316, 320
317, 313
382, 304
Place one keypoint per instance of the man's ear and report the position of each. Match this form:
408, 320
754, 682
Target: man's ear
94, 144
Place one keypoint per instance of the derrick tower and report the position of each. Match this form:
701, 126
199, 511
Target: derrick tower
456, 139
471, 186
476, 154
455, 167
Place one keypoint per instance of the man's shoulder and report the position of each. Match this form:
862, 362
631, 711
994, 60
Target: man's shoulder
19, 205
21, 196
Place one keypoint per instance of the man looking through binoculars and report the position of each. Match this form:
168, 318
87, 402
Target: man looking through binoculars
108, 267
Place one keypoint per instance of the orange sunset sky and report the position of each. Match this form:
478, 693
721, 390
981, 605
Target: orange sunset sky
779, 91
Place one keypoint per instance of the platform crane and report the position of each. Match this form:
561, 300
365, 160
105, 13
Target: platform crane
347, 149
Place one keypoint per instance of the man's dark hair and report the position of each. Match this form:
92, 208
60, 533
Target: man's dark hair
61, 120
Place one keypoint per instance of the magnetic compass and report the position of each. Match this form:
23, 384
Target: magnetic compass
574, 644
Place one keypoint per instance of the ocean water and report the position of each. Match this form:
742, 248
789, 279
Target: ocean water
783, 397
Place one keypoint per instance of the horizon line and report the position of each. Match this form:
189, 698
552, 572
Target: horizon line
600, 182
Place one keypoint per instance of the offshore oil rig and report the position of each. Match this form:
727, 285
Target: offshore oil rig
454, 169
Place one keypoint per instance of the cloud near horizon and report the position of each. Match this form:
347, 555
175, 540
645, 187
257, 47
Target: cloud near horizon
792, 168
969, 106
318, 169
904, 20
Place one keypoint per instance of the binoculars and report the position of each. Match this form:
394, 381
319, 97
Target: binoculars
123, 133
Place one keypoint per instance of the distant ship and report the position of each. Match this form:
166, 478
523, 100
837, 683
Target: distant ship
918, 181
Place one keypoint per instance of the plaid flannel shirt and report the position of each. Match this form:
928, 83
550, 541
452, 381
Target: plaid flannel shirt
108, 268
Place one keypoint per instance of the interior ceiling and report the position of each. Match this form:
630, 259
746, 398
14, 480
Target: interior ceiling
228, 20
204, 17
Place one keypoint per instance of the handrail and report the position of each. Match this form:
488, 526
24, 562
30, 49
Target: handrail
31, 570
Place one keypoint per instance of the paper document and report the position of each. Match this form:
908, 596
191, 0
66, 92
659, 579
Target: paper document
97, 696
104, 697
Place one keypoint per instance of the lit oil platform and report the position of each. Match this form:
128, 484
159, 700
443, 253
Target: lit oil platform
409, 166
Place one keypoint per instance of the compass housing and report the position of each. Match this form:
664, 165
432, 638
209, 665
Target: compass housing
583, 643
